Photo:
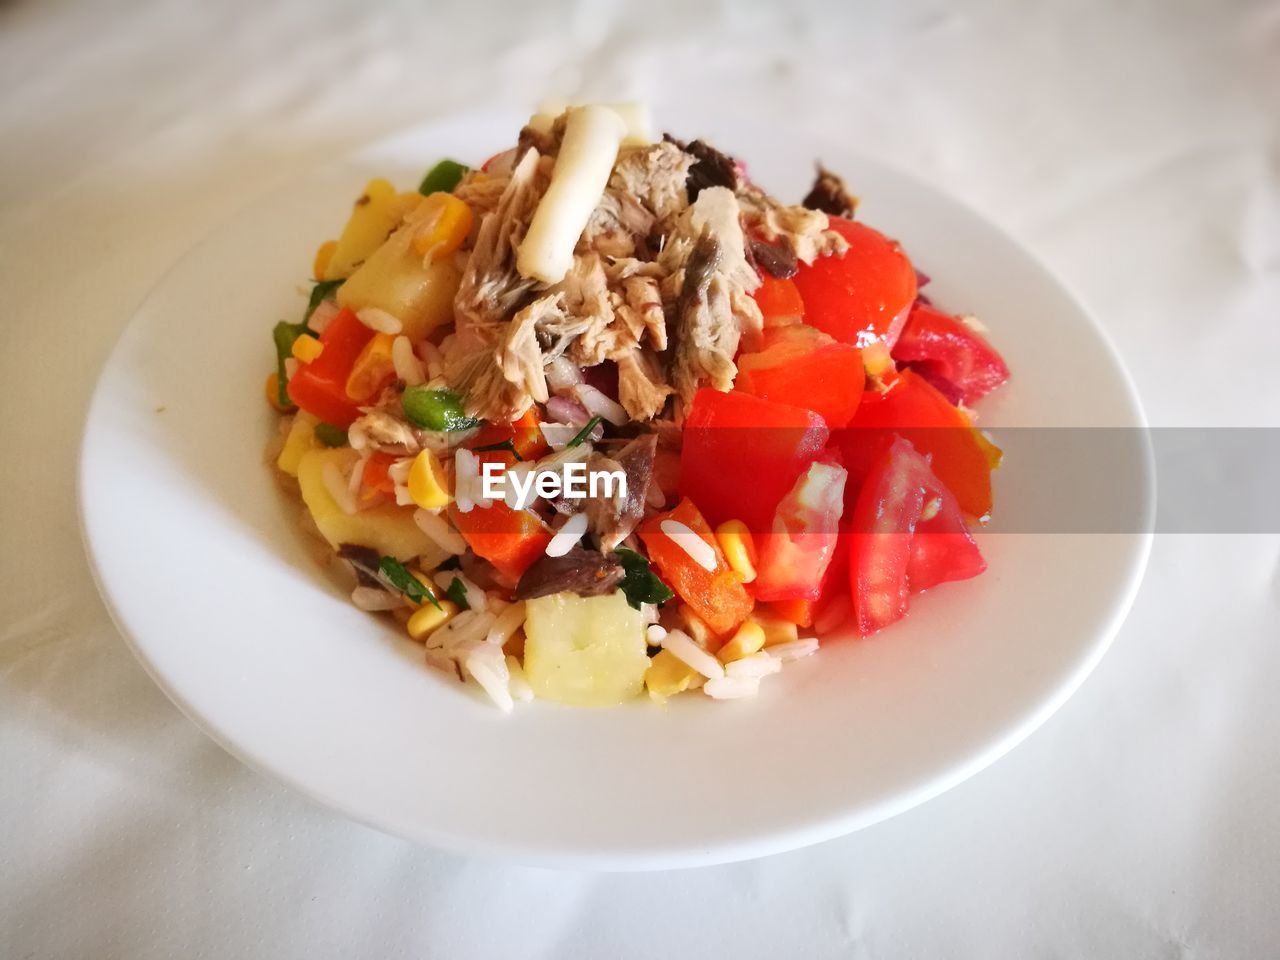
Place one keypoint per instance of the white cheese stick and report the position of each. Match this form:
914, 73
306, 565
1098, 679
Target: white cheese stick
635, 115
592, 136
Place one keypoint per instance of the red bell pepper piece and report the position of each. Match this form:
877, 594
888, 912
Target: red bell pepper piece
741, 455
509, 539
803, 366
952, 356
779, 301
525, 435
794, 557
376, 482
716, 596
862, 295
961, 456
320, 387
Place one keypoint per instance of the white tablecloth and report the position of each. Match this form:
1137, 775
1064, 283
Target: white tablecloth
1134, 146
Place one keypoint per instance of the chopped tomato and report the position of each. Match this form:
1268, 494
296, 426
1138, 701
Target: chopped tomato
320, 387
741, 455
884, 520
862, 295
779, 301
509, 539
376, 482
908, 535
716, 596
942, 549
525, 435
795, 555
950, 354
961, 456
803, 366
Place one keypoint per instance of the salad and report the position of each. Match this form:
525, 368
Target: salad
600, 417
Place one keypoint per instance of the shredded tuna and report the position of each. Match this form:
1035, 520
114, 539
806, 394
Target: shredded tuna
642, 389
804, 231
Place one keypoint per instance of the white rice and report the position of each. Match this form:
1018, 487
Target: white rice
518, 684
375, 599
655, 633
477, 599
732, 688
488, 668
701, 552
408, 367
466, 481
794, 649
470, 626
570, 533
682, 646
435, 526
429, 354
506, 623
357, 477
441, 661
757, 665
599, 405
379, 320
336, 484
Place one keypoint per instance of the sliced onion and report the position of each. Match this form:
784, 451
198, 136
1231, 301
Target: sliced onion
598, 404
566, 410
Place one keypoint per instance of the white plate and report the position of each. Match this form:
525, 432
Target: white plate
199, 560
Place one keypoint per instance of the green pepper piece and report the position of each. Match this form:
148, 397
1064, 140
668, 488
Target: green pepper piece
442, 178
437, 410
330, 435
284, 334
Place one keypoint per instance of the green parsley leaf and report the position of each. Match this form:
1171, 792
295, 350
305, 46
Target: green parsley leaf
321, 292
399, 577
585, 432
458, 594
639, 583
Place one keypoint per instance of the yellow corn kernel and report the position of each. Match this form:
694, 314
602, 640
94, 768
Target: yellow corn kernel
748, 640
667, 675
324, 253
272, 390
776, 629
427, 619
428, 485
372, 368
306, 348
443, 223
739, 548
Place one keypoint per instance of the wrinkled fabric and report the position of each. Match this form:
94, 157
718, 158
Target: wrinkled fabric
1132, 146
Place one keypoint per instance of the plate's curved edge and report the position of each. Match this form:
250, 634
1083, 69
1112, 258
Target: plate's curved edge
817, 831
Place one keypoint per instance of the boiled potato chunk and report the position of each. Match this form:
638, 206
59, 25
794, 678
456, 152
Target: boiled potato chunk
584, 651
300, 439
393, 279
375, 214
387, 528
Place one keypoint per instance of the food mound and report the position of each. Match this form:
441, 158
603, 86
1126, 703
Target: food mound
602, 417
